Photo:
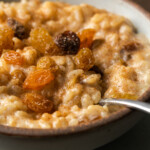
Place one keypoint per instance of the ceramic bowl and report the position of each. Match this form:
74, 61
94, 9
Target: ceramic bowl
94, 134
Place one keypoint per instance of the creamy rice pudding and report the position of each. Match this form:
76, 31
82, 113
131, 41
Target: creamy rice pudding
59, 60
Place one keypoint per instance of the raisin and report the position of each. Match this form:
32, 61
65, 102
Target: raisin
3, 16
6, 39
19, 30
37, 103
131, 46
12, 57
84, 59
38, 79
43, 42
86, 38
47, 63
18, 74
68, 42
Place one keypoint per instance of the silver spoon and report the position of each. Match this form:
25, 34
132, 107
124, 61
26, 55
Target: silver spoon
142, 106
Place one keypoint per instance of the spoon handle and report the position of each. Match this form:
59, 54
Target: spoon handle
142, 106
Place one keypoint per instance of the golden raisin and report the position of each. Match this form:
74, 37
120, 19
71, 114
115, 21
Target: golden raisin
86, 37
84, 59
6, 36
37, 103
38, 79
12, 57
3, 16
47, 63
43, 42
18, 74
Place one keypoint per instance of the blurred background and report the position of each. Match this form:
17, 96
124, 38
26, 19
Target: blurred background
144, 3
138, 138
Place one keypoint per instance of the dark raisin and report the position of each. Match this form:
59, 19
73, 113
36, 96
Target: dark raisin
131, 46
97, 70
68, 42
19, 30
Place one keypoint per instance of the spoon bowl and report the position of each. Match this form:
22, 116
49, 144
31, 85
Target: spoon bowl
138, 105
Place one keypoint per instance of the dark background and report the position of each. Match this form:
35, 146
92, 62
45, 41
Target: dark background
144, 3
138, 138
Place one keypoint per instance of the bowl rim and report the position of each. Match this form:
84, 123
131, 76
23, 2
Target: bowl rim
27, 132
138, 7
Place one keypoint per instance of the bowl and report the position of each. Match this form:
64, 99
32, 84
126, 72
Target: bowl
96, 133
